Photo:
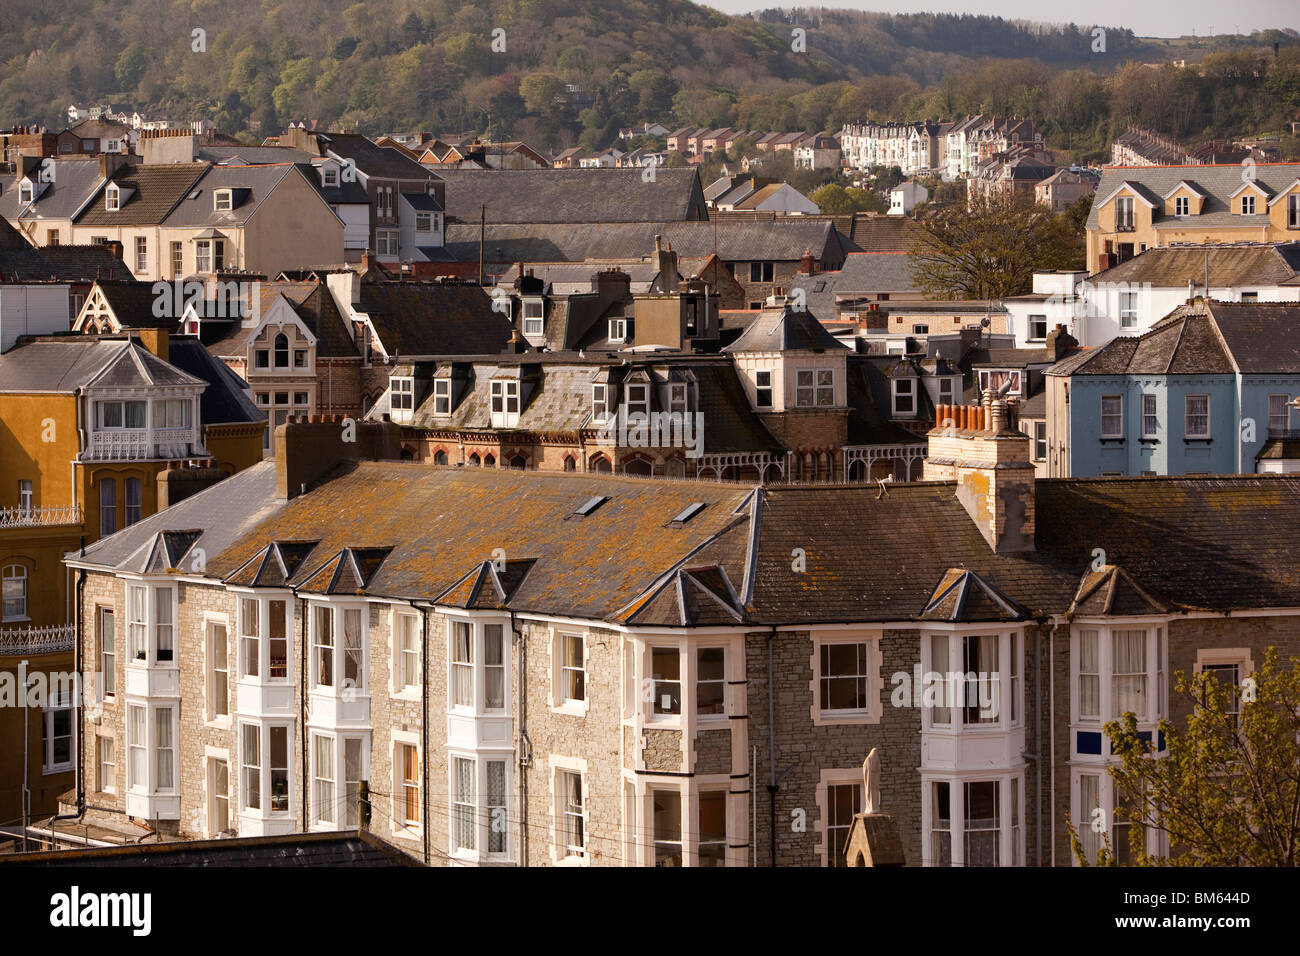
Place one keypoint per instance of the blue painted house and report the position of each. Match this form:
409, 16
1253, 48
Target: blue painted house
1208, 390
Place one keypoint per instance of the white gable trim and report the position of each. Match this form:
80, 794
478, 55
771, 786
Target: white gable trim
1184, 184
1131, 188
280, 313
1285, 192
1249, 183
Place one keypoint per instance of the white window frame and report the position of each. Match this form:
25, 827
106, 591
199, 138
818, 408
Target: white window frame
504, 394
640, 405
222, 200
833, 778
1182, 206
904, 396
1040, 441
402, 825
1150, 416
217, 635
400, 655
146, 630
1248, 205
1128, 310
1156, 668
483, 814
564, 852
618, 330
1187, 418
820, 384
105, 780
442, 396
763, 383
600, 401
871, 713
561, 669
477, 665
265, 771
1010, 821
260, 637
147, 750
534, 324
338, 612
1035, 323
949, 716
1279, 421
213, 757
1114, 431
1156, 840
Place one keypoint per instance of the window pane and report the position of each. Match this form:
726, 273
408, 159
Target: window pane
713, 828
279, 761
1128, 668
665, 665
667, 813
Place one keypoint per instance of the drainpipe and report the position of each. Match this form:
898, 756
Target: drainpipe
771, 745
1051, 749
424, 722
1038, 757
302, 698
525, 756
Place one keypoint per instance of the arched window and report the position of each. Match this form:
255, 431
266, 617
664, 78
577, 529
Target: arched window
474, 460
440, 457
638, 466
282, 351
489, 461
600, 464
519, 462
858, 470
570, 463
675, 468
13, 592
134, 502
107, 506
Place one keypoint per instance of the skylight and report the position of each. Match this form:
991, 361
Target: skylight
686, 514
590, 505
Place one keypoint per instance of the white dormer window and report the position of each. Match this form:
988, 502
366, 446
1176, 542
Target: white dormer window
329, 176
403, 397
221, 201
112, 199
25, 192
1182, 206
638, 400
442, 396
505, 403
904, 396
422, 222
600, 401
618, 330
1248, 205
533, 321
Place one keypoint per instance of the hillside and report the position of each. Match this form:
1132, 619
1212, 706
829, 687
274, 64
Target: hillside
431, 65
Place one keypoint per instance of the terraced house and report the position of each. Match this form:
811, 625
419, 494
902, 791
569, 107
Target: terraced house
487, 667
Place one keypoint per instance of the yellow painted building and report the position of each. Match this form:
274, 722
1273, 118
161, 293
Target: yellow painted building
1142, 207
88, 426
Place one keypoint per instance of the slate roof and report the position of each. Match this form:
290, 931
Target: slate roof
1221, 338
371, 159
225, 401
1233, 264
260, 181
345, 848
783, 329
157, 191
64, 364
20, 261
782, 240
253, 155
311, 302
434, 319
864, 274
573, 195
133, 303
1217, 182
1186, 543
75, 180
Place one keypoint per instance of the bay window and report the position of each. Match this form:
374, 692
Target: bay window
151, 734
338, 647
151, 627
264, 767
711, 850
336, 767
973, 821
665, 664
711, 681
667, 822
1099, 809
323, 803
480, 825
1115, 670
972, 680
478, 663
263, 639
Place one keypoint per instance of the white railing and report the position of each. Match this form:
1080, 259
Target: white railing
40, 517
133, 444
37, 640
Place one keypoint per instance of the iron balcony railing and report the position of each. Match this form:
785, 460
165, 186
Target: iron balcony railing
21, 517
51, 639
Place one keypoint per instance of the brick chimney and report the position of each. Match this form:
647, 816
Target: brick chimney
306, 450
807, 265
979, 448
1059, 342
